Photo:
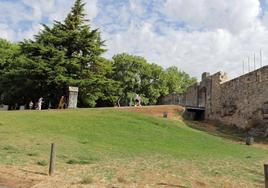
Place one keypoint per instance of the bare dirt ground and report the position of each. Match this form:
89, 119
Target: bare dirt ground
11, 177
229, 132
173, 111
137, 173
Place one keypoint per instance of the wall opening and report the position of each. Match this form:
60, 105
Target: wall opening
195, 114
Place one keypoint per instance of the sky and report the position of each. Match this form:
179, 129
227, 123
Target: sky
195, 35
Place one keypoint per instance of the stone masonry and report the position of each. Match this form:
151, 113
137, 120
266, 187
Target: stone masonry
242, 101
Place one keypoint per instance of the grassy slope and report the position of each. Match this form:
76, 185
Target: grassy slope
100, 135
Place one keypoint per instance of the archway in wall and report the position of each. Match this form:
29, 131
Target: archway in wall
202, 95
195, 113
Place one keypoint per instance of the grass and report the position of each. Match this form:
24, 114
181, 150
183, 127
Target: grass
111, 139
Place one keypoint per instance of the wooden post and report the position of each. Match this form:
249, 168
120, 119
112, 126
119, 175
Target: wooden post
52, 159
266, 175
165, 115
249, 140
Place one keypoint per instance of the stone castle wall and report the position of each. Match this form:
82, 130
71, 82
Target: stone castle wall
191, 95
240, 101
174, 98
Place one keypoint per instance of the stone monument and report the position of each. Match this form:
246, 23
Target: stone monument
73, 95
3, 107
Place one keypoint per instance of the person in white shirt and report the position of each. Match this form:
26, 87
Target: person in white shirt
137, 100
39, 105
31, 105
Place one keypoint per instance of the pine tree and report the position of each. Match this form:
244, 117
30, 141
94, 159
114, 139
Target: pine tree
76, 18
69, 53
64, 55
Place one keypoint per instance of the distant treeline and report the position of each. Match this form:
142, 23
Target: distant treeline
69, 53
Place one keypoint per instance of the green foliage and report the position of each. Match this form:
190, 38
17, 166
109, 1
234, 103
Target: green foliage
178, 81
66, 54
69, 53
150, 81
8, 52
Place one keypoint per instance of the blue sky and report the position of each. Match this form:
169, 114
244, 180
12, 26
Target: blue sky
196, 36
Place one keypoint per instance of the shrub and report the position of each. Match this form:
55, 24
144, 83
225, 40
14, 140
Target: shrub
42, 163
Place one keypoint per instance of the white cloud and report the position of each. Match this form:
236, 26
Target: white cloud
91, 9
6, 32
17, 15
12, 13
221, 35
233, 15
137, 7
215, 34
195, 52
29, 33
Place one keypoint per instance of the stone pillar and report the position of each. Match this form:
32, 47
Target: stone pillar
73, 95
3, 107
205, 75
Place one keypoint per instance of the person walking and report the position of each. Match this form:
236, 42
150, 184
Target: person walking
39, 104
61, 103
31, 105
137, 100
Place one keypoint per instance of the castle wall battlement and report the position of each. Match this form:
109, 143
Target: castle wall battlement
240, 101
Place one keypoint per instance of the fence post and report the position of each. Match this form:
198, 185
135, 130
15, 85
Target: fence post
165, 115
266, 175
52, 159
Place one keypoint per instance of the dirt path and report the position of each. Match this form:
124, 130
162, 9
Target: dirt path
173, 111
12, 177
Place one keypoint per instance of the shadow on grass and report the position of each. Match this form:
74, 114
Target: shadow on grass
33, 172
171, 185
83, 161
225, 131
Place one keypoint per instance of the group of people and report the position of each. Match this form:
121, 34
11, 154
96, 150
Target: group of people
137, 101
38, 105
63, 103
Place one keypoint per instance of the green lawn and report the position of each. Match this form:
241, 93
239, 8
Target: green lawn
110, 136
